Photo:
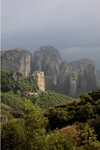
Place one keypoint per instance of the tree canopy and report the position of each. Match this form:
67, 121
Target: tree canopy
21, 83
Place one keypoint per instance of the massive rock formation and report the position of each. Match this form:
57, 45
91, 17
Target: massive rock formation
85, 80
69, 81
60, 76
73, 83
48, 59
64, 73
82, 79
90, 74
16, 60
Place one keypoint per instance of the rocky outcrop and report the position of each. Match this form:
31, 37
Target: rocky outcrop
90, 74
17, 75
48, 59
69, 81
84, 80
16, 60
73, 83
64, 73
40, 79
60, 76
84, 62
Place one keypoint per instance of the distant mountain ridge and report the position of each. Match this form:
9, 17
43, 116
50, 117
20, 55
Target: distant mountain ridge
60, 76
83, 61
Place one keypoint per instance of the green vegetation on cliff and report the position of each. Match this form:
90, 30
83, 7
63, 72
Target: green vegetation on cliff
17, 83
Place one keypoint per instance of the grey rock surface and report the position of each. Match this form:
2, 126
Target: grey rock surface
60, 76
48, 59
16, 60
64, 74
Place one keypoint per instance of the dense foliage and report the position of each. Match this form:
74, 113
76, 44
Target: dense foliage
13, 100
49, 99
36, 132
15, 91
21, 83
85, 111
30, 133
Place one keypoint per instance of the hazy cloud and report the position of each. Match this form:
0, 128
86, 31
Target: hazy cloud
76, 53
65, 24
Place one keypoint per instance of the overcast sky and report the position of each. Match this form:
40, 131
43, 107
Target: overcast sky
71, 26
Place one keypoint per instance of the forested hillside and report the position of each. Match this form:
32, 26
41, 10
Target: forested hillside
34, 130
81, 113
26, 126
49, 99
16, 82
15, 88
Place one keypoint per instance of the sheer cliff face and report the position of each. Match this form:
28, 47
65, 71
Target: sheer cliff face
40, 79
90, 74
69, 81
16, 60
64, 73
59, 76
84, 80
48, 59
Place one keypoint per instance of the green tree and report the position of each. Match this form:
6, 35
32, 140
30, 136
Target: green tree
89, 138
13, 135
35, 123
29, 133
22, 84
